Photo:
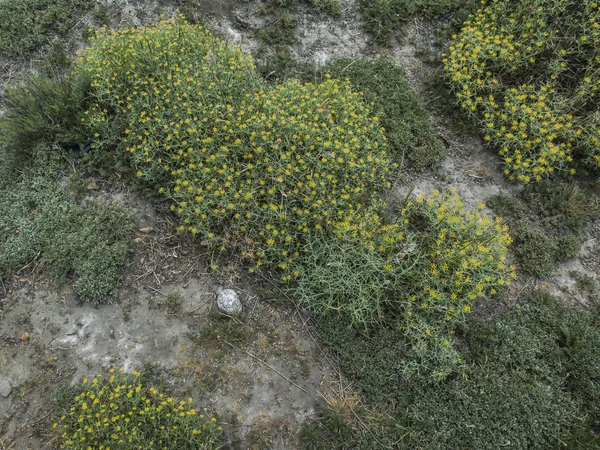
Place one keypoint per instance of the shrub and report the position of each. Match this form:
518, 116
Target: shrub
383, 17
385, 85
531, 84
532, 380
281, 31
332, 7
241, 162
563, 205
39, 219
42, 110
27, 25
420, 274
122, 412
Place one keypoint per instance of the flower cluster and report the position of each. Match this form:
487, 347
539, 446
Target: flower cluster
531, 84
421, 273
242, 162
463, 255
121, 413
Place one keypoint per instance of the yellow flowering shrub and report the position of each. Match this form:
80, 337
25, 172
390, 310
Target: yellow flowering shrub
422, 273
121, 413
256, 166
528, 72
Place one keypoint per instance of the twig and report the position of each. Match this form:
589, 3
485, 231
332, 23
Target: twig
29, 263
156, 278
156, 290
204, 303
269, 366
189, 270
145, 275
475, 176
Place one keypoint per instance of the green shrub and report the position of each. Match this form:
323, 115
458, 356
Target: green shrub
532, 381
39, 219
536, 251
531, 84
383, 17
122, 412
241, 162
281, 31
420, 275
563, 205
42, 110
27, 25
332, 7
410, 133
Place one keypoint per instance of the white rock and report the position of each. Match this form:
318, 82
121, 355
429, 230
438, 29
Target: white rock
5, 388
228, 302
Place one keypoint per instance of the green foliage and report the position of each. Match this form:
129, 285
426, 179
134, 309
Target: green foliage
332, 430
39, 219
100, 416
332, 7
420, 275
531, 84
548, 221
42, 110
281, 31
563, 205
383, 17
540, 364
173, 300
256, 166
27, 25
385, 85
507, 206
537, 252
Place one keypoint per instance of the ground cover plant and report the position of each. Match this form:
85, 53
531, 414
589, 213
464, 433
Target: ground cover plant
419, 275
28, 25
384, 17
386, 87
39, 219
528, 73
329, 6
548, 222
122, 411
539, 363
42, 110
261, 166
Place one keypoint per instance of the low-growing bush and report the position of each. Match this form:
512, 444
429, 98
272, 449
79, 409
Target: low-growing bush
563, 205
384, 17
243, 164
531, 84
420, 274
121, 411
531, 380
332, 7
38, 219
384, 85
42, 110
27, 25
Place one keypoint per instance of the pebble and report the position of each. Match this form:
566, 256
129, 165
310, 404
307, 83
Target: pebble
228, 302
5, 388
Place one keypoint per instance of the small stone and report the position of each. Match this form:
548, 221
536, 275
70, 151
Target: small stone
5, 388
228, 302
92, 185
25, 338
146, 230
